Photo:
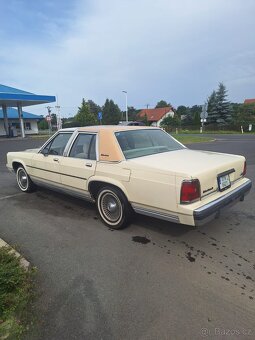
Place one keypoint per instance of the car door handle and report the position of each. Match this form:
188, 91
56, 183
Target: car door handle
89, 165
55, 159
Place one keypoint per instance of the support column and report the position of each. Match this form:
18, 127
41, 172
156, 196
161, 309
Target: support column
21, 121
6, 127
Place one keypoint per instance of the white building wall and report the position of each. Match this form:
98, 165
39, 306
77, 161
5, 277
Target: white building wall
170, 113
33, 125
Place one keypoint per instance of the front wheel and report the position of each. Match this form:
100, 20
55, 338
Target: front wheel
24, 182
113, 207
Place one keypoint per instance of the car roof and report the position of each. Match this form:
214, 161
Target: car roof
113, 128
109, 149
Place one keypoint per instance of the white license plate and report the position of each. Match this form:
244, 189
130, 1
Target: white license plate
224, 182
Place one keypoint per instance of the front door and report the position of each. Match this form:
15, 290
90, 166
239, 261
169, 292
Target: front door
46, 164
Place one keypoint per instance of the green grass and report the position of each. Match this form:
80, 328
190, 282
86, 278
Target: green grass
192, 139
40, 136
216, 132
16, 291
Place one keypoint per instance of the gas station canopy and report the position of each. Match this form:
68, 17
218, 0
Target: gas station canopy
12, 97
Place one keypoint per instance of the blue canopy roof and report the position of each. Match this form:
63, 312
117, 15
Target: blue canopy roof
11, 96
13, 114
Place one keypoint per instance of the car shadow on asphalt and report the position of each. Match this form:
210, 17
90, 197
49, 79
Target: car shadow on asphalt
161, 226
78, 208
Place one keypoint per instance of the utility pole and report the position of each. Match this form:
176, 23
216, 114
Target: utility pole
203, 116
59, 120
126, 106
49, 118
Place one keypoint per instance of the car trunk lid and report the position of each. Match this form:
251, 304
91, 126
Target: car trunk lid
211, 168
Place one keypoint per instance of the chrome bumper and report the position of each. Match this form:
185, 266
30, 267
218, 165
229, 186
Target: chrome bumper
210, 211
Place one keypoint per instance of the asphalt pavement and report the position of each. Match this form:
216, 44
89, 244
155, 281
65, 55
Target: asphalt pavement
152, 280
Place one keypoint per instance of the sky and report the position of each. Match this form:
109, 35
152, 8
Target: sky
175, 50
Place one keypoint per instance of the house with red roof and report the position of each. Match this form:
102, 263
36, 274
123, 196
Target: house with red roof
249, 101
155, 116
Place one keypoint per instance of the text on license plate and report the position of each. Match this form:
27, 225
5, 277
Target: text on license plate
224, 182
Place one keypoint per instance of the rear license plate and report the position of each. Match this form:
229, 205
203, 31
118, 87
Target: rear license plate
224, 182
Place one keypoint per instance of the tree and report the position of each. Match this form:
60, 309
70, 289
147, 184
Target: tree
223, 106
132, 113
244, 114
43, 125
182, 111
212, 108
93, 107
111, 113
162, 103
195, 112
70, 122
219, 109
170, 121
53, 119
84, 116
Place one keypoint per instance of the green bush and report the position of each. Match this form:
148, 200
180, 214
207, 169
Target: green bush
16, 285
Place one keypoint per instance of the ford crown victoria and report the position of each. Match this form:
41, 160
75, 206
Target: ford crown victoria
131, 168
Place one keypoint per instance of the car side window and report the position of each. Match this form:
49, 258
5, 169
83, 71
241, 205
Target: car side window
84, 147
58, 144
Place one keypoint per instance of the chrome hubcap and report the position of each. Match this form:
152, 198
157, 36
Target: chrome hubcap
111, 207
22, 177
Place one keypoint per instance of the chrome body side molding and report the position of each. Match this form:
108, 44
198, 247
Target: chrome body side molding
154, 213
85, 195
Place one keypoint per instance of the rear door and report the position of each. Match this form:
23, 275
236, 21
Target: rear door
80, 163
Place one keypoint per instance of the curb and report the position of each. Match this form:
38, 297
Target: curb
23, 262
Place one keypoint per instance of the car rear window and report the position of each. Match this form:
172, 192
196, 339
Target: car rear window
138, 143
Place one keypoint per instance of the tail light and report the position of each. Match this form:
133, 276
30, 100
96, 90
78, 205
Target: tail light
244, 169
190, 191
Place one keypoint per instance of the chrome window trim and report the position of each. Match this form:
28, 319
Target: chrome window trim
70, 142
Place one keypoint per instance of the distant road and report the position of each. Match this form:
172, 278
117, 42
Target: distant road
234, 144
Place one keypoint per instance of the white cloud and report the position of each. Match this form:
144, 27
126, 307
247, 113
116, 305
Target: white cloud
172, 50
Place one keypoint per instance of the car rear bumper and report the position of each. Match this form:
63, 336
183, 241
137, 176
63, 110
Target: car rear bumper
211, 210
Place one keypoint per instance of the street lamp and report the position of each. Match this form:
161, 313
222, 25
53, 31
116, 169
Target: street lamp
126, 106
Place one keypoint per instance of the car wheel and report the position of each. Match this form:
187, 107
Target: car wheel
24, 182
113, 207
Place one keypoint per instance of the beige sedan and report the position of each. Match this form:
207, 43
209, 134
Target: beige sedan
125, 169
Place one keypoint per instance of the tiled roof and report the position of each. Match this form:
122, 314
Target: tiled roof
249, 101
13, 114
154, 115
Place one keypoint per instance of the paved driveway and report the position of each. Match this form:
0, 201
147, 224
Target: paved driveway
94, 283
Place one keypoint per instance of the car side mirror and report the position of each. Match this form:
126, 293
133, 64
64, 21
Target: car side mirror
45, 152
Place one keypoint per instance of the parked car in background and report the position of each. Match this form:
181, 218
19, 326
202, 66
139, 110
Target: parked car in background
132, 168
132, 123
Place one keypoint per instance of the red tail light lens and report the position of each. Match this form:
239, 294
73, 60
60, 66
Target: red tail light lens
190, 191
244, 169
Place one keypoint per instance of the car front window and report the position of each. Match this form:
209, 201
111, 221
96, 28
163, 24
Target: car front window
58, 144
138, 143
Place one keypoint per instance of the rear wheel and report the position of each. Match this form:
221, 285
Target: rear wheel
24, 181
113, 207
